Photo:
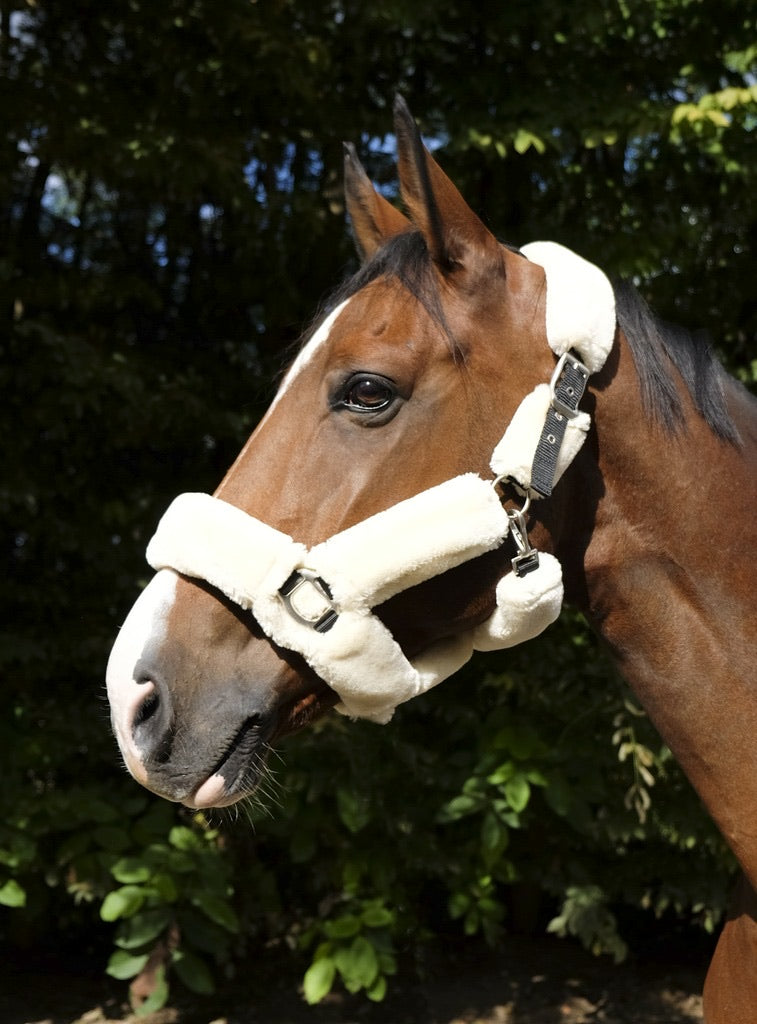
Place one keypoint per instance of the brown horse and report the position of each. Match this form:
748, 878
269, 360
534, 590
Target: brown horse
354, 554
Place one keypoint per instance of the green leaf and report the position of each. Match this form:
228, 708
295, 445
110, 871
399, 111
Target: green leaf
17, 850
377, 917
494, 835
459, 807
318, 980
377, 990
519, 740
357, 964
193, 972
501, 774
165, 887
354, 809
145, 926
158, 997
184, 838
525, 140
130, 870
517, 791
472, 921
459, 904
12, 894
217, 909
123, 965
123, 902
342, 927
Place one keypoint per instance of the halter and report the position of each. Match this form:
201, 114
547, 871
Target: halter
319, 602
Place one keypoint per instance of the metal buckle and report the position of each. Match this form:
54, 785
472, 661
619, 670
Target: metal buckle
558, 404
527, 559
320, 614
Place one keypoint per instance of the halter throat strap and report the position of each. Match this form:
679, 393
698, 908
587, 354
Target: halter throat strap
547, 429
566, 391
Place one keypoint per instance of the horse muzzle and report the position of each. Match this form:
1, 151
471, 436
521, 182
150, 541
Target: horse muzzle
197, 731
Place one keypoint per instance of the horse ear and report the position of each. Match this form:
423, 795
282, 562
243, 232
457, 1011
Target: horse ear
374, 219
453, 232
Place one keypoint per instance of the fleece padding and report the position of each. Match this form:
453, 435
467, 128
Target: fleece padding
514, 455
249, 561
526, 605
365, 565
211, 540
412, 541
580, 303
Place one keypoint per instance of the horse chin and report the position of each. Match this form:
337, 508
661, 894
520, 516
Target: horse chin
237, 772
212, 793
242, 765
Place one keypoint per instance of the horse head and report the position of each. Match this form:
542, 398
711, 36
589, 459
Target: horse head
358, 549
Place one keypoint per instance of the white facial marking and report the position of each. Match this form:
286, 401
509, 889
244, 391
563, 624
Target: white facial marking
146, 621
307, 352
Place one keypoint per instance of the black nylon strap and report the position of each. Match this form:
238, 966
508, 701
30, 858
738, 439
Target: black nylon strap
568, 386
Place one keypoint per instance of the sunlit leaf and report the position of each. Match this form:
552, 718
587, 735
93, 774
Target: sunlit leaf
318, 980
124, 965
12, 894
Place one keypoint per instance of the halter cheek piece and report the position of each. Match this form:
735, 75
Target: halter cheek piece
319, 602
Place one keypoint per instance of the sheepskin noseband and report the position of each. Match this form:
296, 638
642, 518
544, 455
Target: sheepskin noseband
319, 602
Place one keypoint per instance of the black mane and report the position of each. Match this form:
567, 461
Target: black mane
658, 348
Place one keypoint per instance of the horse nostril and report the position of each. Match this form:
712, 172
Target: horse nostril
149, 707
152, 728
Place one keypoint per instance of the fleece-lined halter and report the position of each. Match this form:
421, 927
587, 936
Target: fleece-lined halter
320, 602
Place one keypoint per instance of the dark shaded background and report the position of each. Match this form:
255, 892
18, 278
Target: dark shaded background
170, 217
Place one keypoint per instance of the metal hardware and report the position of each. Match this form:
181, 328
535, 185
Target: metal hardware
320, 614
503, 479
570, 393
527, 559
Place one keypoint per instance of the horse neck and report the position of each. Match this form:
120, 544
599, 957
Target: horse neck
667, 577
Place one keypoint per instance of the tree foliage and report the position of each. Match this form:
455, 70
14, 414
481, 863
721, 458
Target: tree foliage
170, 217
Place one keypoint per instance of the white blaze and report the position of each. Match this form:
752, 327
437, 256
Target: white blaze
146, 621
305, 355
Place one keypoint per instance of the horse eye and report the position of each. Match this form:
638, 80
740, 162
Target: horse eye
367, 393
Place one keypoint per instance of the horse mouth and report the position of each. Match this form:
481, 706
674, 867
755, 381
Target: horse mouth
237, 771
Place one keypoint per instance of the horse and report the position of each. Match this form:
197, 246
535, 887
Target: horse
470, 434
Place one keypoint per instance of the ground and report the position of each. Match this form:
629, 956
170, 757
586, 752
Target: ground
529, 981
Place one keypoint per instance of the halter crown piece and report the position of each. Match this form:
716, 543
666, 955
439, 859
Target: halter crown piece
319, 602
